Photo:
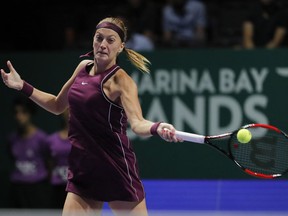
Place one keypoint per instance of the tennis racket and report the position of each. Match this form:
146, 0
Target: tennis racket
264, 156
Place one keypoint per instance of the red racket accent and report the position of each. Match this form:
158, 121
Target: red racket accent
260, 175
266, 126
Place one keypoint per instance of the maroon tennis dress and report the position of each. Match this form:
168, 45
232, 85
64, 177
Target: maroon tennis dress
102, 162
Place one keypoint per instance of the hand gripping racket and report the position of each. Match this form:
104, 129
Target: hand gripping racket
264, 156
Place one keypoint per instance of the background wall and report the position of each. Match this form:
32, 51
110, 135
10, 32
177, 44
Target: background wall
202, 91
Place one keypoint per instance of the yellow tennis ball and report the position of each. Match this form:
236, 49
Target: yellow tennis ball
244, 136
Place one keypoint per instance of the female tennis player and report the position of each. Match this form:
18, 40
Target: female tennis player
102, 98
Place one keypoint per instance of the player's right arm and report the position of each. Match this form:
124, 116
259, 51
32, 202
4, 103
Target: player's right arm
53, 103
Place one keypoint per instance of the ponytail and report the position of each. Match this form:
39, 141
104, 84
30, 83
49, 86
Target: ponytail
118, 25
138, 60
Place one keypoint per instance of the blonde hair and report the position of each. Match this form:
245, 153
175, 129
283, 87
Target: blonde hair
138, 60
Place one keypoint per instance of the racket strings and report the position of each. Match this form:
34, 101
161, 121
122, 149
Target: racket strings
266, 153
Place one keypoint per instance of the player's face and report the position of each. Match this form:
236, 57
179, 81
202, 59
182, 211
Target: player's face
107, 45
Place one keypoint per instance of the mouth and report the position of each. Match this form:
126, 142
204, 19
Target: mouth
102, 53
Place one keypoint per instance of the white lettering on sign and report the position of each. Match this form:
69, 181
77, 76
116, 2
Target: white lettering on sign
200, 100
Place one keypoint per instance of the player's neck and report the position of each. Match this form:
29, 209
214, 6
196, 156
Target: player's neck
102, 67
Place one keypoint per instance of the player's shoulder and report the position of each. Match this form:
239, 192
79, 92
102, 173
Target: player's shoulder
84, 63
123, 79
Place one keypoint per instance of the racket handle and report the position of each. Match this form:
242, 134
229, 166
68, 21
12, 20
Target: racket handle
196, 138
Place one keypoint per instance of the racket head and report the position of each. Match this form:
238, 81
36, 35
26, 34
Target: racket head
265, 155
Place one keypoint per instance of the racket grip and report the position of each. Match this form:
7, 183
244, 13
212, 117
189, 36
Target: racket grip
196, 138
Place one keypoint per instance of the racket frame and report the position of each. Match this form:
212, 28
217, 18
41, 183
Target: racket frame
201, 139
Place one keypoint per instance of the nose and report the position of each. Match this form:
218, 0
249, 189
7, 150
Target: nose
103, 45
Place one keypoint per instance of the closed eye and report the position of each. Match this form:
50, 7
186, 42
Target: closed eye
111, 40
98, 38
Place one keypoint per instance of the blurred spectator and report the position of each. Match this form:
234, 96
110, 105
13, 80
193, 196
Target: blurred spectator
139, 42
225, 22
184, 23
29, 176
59, 150
143, 25
265, 26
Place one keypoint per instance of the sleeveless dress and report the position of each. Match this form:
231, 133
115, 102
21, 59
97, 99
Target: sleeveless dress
102, 162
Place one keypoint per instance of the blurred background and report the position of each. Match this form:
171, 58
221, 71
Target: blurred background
216, 65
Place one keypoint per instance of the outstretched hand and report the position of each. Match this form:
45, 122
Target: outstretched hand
12, 79
167, 132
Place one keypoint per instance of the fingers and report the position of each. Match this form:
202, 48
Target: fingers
10, 66
2, 73
4, 76
169, 135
